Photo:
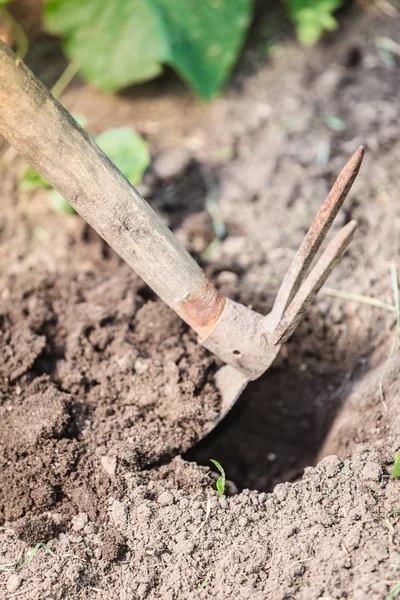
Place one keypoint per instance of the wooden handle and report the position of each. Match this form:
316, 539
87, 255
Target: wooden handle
47, 136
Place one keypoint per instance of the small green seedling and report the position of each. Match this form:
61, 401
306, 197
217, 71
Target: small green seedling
204, 583
220, 485
386, 519
394, 592
396, 470
335, 123
18, 564
33, 553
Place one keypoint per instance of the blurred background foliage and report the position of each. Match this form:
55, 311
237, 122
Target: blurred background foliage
117, 43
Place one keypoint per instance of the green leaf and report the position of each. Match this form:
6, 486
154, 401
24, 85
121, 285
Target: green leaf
31, 180
396, 468
335, 123
394, 592
117, 42
220, 484
121, 42
32, 554
59, 205
203, 38
128, 150
312, 18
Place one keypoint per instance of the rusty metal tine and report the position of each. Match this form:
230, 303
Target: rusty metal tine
312, 285
315, 236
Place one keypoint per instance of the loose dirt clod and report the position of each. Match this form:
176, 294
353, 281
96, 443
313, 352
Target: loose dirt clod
137, 394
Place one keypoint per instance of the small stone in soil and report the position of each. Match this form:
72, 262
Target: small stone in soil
13, 583
171, 163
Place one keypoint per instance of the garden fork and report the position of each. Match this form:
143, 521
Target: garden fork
47, 136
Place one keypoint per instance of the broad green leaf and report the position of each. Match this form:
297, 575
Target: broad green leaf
117, 42
31, 180
121, 42
312, 18
59, 205
127, 150
203, 38
396, 468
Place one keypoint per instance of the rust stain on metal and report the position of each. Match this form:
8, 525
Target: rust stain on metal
202, 308
336, 197
316, 234
312, 284
330, 208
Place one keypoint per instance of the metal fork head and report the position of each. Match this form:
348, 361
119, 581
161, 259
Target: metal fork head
248, 341
262, 337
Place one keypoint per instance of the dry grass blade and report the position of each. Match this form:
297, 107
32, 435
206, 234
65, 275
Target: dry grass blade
396, 301
8, 529
360, 298
208, 511
16, 31
65, 78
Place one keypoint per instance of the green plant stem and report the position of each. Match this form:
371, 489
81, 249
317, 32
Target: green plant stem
22, 48
17, 31
65, 78
57, 90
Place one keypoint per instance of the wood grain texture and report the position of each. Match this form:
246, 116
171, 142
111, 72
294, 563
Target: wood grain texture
47, 136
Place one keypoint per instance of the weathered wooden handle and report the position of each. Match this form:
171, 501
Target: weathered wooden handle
47, 136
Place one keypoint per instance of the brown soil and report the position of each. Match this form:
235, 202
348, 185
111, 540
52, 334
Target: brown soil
101, 386
135, 392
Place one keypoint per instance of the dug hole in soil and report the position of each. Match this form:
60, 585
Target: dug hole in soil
103, 390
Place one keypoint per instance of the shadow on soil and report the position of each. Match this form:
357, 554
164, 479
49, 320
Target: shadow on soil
279, 425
